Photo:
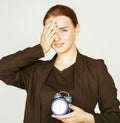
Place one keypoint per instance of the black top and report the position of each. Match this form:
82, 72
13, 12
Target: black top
57, 81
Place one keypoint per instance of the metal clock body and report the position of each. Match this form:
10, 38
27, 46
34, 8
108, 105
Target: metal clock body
60, 104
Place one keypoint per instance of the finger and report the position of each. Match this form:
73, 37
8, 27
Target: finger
73, 107
46, 27
48, 33
61, 118
64, 118
50, 29
52, 35
43, 35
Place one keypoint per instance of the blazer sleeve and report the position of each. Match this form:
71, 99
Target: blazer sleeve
15, 69
107, 99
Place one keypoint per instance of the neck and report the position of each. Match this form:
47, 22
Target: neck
66, 59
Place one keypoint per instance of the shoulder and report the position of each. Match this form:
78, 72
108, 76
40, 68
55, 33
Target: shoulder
90, 61
96, 66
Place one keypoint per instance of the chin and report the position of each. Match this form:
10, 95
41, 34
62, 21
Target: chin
59, 50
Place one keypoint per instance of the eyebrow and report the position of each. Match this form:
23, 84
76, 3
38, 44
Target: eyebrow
63, 27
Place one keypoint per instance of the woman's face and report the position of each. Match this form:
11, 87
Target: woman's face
65, 34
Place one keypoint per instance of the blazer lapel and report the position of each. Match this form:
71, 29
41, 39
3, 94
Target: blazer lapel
78, 81
46, 70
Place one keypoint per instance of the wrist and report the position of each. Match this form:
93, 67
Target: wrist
43, 49
89, 118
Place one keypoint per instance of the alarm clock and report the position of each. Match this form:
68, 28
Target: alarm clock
60, 104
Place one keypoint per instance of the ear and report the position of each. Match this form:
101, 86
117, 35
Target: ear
77, 29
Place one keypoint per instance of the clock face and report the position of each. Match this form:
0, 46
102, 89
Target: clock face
59, 106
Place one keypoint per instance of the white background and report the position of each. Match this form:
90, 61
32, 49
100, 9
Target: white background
21, 25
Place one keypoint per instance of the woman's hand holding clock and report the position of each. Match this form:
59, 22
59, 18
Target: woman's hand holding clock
76, 116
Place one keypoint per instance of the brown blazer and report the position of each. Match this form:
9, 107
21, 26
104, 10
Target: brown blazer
92, 83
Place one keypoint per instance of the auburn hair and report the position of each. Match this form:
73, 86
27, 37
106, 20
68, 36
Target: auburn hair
58, 10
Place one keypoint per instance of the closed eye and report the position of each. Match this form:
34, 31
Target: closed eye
63, 30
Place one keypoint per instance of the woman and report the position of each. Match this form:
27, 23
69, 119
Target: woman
85, 79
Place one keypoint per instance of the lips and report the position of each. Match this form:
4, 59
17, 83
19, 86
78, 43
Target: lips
58, 45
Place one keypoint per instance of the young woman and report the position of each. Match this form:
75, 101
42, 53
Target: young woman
85, 79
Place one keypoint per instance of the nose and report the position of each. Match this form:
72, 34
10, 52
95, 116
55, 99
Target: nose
57, 37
